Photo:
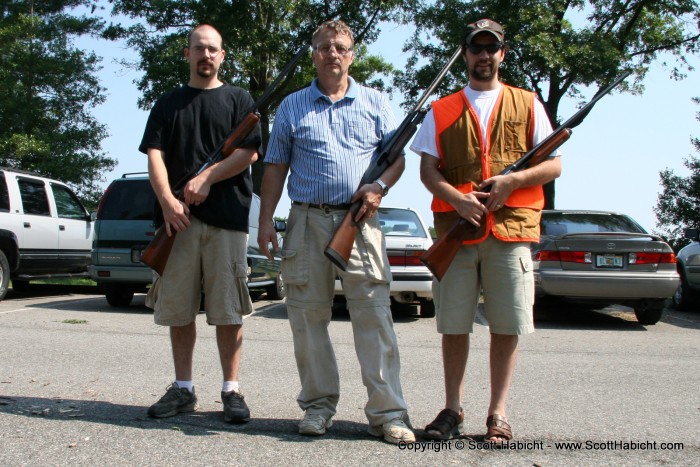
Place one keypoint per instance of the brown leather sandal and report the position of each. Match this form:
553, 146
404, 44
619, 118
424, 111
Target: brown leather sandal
445, 426
497, 430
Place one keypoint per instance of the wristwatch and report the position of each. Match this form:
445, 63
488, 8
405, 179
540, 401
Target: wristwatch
383, 186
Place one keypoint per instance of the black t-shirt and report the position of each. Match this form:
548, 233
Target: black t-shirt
189, 125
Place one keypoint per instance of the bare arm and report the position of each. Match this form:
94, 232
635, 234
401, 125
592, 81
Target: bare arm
504, 185
197, 190
270, 193
175, 212
467, 205
371, 193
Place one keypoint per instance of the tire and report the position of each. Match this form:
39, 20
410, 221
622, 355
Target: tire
427, 308
20, 285
119, 295
4, 275
276, 291
649, 311
685, 298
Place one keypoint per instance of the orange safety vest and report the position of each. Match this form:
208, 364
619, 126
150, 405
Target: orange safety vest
465, 166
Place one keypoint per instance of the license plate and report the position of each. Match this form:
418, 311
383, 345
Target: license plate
608, 261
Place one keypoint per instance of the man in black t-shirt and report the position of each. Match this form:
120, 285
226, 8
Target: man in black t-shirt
184, 129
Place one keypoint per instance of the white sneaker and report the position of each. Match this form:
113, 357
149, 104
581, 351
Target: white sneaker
314, 424
394, 432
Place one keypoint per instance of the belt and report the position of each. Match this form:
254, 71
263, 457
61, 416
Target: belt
325, 207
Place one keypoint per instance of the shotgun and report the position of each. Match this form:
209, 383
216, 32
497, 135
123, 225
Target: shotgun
339, 248
157, 252
440, 255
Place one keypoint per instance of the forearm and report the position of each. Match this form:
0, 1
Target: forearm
158, 175
392, 174
237, 162
542, 173
271, 190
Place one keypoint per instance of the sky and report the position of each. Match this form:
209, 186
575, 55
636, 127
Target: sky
612, 161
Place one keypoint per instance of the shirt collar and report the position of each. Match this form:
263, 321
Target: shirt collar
316, 93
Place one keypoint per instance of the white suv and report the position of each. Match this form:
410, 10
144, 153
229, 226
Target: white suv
45, 231
407, 238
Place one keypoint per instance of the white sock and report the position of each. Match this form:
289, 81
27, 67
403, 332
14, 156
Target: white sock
229, 386
185, 384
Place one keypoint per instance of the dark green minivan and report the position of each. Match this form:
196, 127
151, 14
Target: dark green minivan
124, 227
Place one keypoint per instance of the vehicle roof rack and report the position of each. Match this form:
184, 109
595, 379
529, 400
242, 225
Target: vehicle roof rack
133, 174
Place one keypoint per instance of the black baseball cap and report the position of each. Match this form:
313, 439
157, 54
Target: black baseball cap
483, 25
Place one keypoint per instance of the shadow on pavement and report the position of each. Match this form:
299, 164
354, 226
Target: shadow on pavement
201, 423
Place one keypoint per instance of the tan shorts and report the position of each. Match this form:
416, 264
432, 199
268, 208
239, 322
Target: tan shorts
503, 272
209, 260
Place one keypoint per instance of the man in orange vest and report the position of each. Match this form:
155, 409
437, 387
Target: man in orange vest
465, 141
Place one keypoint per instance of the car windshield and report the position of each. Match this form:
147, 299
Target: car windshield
403, 222
559, 223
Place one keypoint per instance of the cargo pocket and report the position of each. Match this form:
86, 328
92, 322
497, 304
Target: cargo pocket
295, 260
528, 280
152, 295
372, 251
241, 277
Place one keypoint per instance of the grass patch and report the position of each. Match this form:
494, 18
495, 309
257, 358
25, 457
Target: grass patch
74, 321
68, 281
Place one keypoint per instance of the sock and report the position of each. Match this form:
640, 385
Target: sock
230, 386
185, 384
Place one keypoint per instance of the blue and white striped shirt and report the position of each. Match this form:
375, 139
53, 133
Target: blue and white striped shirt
329, 145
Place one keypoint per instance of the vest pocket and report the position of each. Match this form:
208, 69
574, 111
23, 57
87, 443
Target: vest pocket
515, 134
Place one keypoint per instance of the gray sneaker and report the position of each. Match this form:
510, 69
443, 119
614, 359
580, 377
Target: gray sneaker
235, 408
175, 400
314, 424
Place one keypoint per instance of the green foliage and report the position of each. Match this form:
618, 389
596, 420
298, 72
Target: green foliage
556, 47
260, 38
678, 205
47, 87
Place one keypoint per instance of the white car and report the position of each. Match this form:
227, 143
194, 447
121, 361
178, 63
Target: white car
407, 238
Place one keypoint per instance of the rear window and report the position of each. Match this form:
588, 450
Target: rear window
129, 200
4, 195
400, 222
559, 223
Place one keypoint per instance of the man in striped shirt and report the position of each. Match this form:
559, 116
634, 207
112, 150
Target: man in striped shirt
324, 137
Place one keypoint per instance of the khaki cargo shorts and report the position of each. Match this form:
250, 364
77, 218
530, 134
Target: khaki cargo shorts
503, 272
209, 260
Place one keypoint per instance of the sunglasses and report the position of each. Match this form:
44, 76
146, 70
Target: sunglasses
476, 49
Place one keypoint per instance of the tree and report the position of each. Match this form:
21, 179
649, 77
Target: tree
678, 205
557, 47
260, 37
47, 87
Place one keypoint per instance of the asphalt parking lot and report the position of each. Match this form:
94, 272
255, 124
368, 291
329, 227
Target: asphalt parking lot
591, 388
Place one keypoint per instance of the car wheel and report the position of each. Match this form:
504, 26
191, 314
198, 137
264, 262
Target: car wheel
649, 311
276, 291
427, 308
118, 295
20, 285
4, 275
685, 298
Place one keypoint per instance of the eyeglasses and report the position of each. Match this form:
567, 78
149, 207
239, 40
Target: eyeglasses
339, 49
199, 50
476, 49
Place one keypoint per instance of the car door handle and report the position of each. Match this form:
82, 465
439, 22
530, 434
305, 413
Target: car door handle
27, 225
61, 227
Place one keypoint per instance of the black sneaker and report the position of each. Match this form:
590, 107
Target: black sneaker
235, 408
175, 400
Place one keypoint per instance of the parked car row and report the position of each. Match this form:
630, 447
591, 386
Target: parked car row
595, 257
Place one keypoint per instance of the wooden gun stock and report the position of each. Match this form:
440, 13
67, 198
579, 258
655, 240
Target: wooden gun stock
339, 248
157, 252
440, 255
